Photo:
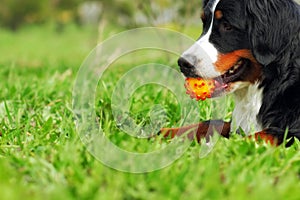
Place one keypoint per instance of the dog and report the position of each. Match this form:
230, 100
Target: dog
251, 48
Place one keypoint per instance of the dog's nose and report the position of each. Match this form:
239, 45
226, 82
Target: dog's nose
183, 63
186, 66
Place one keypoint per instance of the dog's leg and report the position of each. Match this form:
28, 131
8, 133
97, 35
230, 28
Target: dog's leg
275, 136
266, 137
200, 130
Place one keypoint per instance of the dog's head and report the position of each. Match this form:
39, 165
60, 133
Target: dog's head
239, 39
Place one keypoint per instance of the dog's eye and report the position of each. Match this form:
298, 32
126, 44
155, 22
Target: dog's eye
225, 26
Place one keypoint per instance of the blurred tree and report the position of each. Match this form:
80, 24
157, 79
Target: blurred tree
64, 12
150, 12
169, 11
66, 4
89, 13
14, 13
118, 11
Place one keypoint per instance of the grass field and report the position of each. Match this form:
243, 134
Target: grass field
42, 156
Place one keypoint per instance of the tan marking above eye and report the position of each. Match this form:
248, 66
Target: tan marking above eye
202, 16
218, 14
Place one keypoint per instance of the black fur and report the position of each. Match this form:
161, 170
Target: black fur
274, 32
273, 25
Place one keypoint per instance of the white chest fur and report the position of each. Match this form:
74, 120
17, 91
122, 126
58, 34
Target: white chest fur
247, 104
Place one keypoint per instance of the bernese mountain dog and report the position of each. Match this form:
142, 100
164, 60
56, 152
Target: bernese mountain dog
252, 49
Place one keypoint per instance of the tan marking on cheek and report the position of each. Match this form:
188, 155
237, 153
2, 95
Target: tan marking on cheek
226, 61
218, 14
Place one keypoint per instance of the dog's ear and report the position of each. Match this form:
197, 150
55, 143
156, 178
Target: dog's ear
270, 25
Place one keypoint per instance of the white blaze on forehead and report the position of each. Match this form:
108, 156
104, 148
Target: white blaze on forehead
204, 41
203, 54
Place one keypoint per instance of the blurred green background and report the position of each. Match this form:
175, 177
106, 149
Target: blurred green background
33, 33
15, 14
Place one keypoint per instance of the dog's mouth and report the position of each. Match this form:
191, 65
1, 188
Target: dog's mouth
234, 74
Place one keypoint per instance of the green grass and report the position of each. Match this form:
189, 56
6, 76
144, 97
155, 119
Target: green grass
42, 157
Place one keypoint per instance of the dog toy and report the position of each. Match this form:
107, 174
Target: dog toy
199, 88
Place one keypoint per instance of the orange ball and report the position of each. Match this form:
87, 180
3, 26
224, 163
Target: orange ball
199, 89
